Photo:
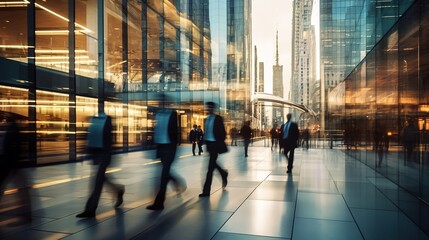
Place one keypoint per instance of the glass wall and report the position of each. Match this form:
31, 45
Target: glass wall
63, 61
387, 112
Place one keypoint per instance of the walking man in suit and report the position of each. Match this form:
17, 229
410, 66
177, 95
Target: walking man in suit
200, 139
246, 134
289, 134
193, 138
99, 147
166, 140
214, 137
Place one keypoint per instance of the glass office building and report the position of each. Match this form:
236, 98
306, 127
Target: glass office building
384, 108
63, 61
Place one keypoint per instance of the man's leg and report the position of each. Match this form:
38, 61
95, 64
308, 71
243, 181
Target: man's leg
290, 159
211, 167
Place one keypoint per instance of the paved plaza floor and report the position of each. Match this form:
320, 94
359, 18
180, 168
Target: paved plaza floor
325, 197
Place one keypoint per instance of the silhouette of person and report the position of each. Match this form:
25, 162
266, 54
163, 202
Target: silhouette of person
214, 138
380, 143
99, 147
246, 134
166, 138
289, 135
274, 137
305, 138
200, 139
409, 135
10, 148
193, 138
233, 134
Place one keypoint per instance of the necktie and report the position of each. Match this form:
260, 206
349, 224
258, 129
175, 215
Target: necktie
286, 132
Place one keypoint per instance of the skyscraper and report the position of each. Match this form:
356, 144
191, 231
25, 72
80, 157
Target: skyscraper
304, 54
278, 112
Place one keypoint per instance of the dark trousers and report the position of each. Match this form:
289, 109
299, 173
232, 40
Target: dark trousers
291, 151
103, 160
200, 147
211, 148
194, 145
167, 154
246, 146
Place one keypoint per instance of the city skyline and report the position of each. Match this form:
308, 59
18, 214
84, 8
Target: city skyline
277, 15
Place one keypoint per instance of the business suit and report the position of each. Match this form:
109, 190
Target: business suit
214, 138
193, 138
101, 156
166, 140
246, 134
289, 134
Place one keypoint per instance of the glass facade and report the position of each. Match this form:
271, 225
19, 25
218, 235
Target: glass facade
63, 61
382, 103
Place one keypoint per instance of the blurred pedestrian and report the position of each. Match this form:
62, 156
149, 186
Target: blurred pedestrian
166, 132
289, 140
214, 138
10, 149
200, 139
409, 136
99, 147
193, 138
274, 137
246, 134
233, 135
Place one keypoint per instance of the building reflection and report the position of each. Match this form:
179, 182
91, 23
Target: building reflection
56, 70
382, 103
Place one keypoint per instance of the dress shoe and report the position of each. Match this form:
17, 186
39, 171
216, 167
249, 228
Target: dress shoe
86, 214
180, 188
225, 179
120, 197
155, 207
204, 195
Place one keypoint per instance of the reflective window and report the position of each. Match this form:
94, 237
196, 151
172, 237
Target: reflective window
52, 53
86, 45
13, 43
52, 127
113, 48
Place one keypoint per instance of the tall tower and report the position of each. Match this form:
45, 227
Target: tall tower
278, 113
261, 88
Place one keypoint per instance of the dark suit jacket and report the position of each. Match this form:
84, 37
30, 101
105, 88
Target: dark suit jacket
101, 154
172, 133
219, 134
292, 140
172, 127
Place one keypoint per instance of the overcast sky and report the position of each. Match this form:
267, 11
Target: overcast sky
270, 16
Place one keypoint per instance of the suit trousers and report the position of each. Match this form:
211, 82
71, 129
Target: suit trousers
99, 180
167, 154
212, 149
291, 151
194, 145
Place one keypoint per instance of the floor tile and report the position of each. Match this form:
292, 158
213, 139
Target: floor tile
276, 191
233, 236
193, 225
380, 224
264, 218
306, 229
322, 206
